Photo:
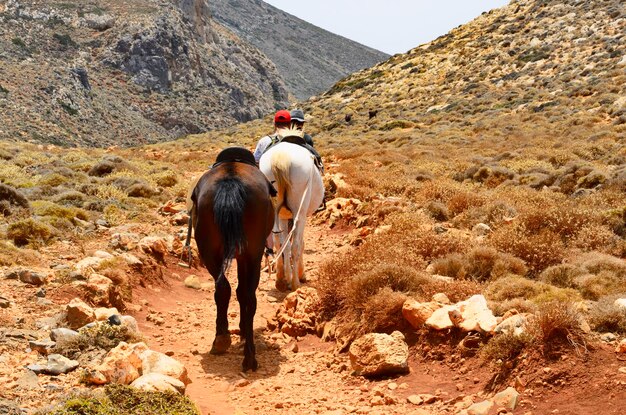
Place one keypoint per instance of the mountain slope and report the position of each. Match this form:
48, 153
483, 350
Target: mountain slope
106, 72
559, 62
309, 59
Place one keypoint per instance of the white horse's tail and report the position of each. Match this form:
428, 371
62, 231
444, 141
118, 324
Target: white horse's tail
281, 164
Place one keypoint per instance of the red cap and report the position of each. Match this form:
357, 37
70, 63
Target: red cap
282, 116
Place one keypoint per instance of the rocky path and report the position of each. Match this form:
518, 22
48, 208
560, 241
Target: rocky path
295, 377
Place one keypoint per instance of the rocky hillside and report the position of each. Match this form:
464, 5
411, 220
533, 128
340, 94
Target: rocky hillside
559, 62
309, 59
124, 73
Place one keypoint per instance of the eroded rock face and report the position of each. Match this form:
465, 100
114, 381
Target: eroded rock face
378, 354
297, 314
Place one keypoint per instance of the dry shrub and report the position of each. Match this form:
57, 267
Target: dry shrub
455, 290
141, 190
595, 286
598, 238
52, 180
538, 250
370, 300
606, 316
462, 201
562, 275
71, 198
480, 264
30, 231
596, 262
46, 208
513, 286
438, 211
10, 255
557, 324
505, 347
14, 197
166, 179
522, 305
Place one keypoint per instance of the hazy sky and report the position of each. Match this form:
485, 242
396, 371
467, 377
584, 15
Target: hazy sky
392, 26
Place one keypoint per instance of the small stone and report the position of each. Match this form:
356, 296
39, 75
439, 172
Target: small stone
42, 347
103, 313
378, 354
608, 337
441, 298
415, 399
115, 320
480, 408
481, 229
41, 293
507, 398
159, 383
193, 281
63, 334
57, 365
621, 347
33, 278
4, 302
130, 322
79, 313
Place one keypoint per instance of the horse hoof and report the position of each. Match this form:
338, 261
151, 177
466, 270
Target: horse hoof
221, 344
281, 285
250, 365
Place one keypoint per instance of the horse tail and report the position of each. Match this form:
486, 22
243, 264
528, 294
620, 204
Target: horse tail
281, 164
228, 208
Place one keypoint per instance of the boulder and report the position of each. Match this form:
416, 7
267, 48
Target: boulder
621, 347
156, 382
79, 314
297, 314
417, 313
43, 347
87, 265
121, 365
378, 354
130, 322
156, 362
124, 241
99, 22
480, 408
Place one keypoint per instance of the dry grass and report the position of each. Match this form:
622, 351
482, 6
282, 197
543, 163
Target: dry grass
480, 264
505, 347
557, 324
605, 316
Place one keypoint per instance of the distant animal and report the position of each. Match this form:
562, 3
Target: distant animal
300, 191
232, 215
348, 118
372, 113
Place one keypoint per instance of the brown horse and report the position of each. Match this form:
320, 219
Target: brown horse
232, 217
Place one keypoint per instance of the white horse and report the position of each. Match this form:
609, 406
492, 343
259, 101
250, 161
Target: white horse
291, 168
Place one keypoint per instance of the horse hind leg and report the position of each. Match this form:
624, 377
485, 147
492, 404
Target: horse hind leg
222, 297
280, 239
246, 295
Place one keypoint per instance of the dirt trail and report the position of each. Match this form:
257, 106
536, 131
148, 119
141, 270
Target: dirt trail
295, 379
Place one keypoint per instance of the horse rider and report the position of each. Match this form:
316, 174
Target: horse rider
297, 123
282, 121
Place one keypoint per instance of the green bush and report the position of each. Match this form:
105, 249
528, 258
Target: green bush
29, 231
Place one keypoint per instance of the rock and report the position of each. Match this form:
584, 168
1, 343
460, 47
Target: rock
42, 347
62, 334
131, 259
99, 22
158, 382
608, 337
512, 325
440, 319
79, 314
56, 365
415, 399
620, 302
417, 313
41, 293
507, 398
130, 322
29, 381
87, 265
193, 281
622, 62
481, 229
4, 302
156, 362
297, 315
31, 277
621, 347
155, 246
124, 241
115, 320
121, 365
476, 315
441, 298
103, 313
101, 289
378, 354
480, 408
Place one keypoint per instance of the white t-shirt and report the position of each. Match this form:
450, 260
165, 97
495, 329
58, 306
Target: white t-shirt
261, 147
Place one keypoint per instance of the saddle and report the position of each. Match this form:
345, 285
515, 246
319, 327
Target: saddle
240, 155
235, 154
300, 141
